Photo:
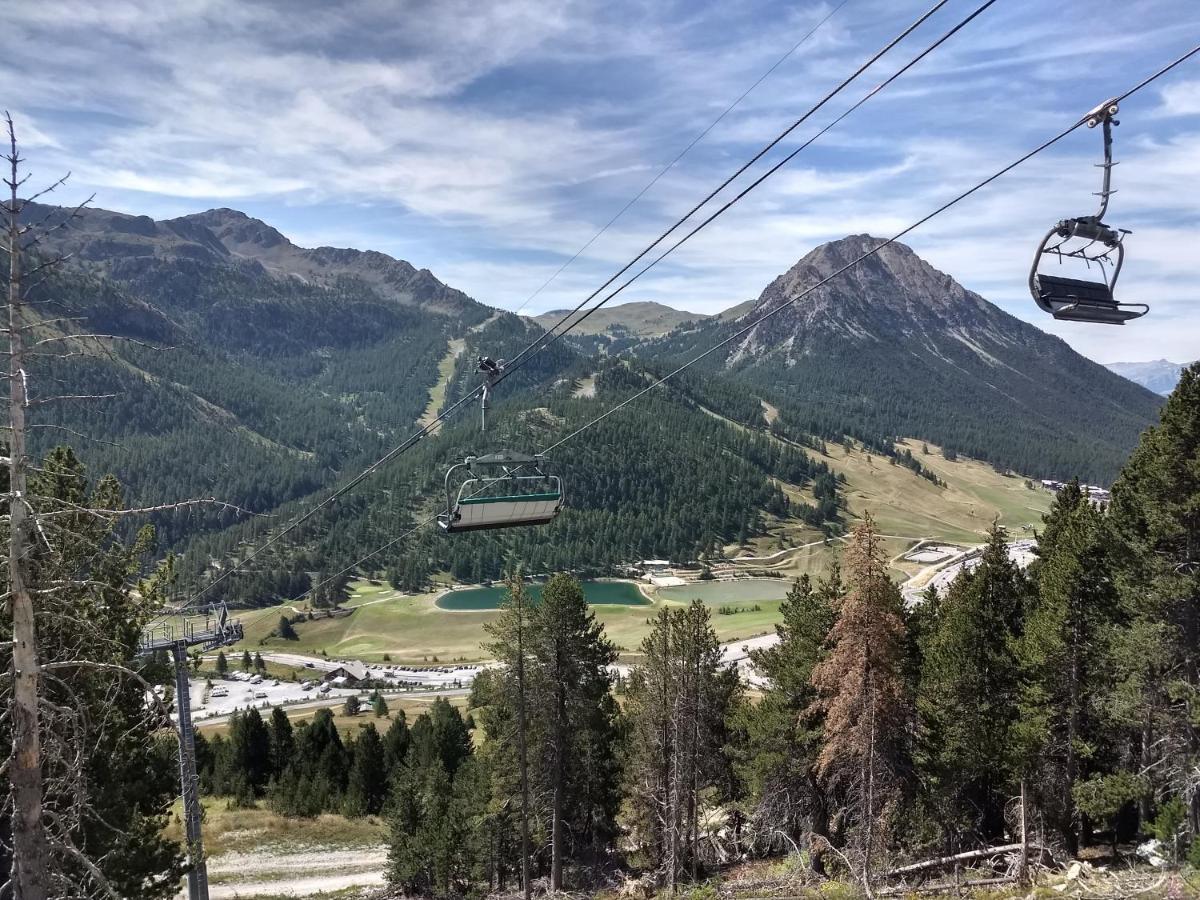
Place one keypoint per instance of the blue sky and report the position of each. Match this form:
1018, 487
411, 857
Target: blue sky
488, 141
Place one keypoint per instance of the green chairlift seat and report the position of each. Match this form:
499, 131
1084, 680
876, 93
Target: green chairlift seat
500, 490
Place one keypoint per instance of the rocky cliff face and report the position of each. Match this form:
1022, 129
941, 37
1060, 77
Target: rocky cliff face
894, 298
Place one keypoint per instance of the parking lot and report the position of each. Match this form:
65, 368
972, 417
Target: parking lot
242, 690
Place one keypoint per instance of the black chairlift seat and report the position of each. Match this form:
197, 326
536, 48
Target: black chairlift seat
500, 490
1087, 240
1075, 300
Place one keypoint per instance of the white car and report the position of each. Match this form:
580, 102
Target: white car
261, 695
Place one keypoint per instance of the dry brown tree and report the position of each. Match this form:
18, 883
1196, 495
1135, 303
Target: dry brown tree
860, 688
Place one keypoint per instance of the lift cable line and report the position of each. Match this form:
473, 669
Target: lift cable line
682, 153
771, 171
536, 346
550, 332
941, 209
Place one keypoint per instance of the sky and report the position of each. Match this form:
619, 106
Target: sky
488, 140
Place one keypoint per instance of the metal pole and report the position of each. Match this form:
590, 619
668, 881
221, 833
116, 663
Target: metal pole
188, 785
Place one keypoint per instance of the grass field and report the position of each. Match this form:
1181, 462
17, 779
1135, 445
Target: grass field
908, 508
412, 629
227, 830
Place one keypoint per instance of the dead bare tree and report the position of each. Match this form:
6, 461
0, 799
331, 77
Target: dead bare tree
69, 680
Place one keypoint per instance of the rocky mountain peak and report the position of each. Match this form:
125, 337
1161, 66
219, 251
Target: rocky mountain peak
235, 229
892, 296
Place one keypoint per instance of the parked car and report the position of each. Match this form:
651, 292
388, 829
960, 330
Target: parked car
260, 695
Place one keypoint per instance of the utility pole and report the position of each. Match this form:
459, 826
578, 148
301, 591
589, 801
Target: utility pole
179, 640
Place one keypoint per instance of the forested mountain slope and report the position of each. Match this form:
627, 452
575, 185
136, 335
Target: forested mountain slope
894, 347
291, 369
285, 366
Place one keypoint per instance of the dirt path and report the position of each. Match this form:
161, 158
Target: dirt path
294, 874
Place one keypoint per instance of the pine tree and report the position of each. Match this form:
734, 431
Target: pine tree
250, 750
259, 664
681, 699
860, 694
569, 658
508, 696
782, 737
379, 706
968, 700
222, 663
287, 630
352, 707
1155, 514
440, 736
283, 742
396, 741
366, 787
1067, 656
247, 661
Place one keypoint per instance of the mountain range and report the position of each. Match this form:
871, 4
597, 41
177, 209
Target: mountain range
293, 368
1158, 375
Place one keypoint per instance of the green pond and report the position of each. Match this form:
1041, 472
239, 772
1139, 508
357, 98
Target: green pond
620, 593
750, 590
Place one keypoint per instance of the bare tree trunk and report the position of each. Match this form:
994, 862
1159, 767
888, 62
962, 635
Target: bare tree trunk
556, 812
869, 787
695, 762
1023, 869
30, 845
522, 750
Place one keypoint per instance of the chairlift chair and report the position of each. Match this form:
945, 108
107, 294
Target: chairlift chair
1089, 240
505, 489
500, 490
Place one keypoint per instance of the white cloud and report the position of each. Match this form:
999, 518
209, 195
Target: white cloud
498, 137
1181, 99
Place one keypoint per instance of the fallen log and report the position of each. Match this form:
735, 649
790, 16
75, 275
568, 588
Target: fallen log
940, 862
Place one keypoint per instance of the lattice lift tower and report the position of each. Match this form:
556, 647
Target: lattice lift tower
213, 631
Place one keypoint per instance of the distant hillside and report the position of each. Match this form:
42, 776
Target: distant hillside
1159, 375
894, 347
639, 319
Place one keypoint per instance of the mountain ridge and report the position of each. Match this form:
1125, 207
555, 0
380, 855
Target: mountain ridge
1158, 375
224, 236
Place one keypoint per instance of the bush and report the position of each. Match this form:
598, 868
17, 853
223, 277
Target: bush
1193, 856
